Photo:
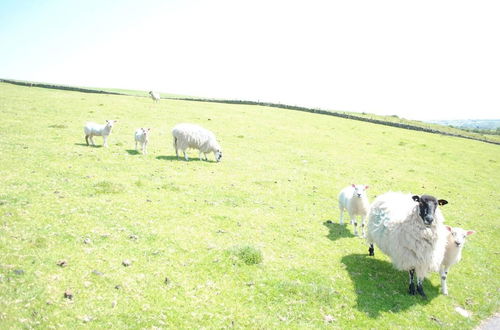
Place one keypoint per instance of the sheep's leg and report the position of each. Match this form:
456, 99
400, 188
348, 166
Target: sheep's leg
371, 250
353, 221
206, 158
420, 287
411, 289
87, 139
363, 233
145, 148
341, 215
185, 156
105, 139
200, 155
91, 137
444, 275
135, 145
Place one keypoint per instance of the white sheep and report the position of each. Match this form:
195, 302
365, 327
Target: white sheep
195, 137
155, 96
453, 252
409, 229
354, 199
142, 137
92, 129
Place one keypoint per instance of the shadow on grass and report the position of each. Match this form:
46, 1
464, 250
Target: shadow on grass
336, 230
85, 145
132, 152
181, 159
382, 288
168, 158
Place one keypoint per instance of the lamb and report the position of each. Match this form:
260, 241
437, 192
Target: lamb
92, 129
155, 96
409, 229
453, 252
142, 137
195, 137
354, 199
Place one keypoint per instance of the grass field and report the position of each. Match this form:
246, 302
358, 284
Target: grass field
242, 243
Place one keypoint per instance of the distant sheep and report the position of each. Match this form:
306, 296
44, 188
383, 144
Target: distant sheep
354, 199
155, 96
409, 229
142, 137
453, 252
195, 137
92, 129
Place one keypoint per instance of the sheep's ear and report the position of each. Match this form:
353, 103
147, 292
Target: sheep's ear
442, 202
107, 121
366, 187
470, 232
353, 185
448, 228
416, 198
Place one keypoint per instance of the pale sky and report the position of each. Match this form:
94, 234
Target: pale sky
415, 59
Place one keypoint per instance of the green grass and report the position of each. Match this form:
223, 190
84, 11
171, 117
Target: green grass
179, 222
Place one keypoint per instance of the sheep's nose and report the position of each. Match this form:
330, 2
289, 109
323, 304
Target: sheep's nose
428, 219
458, 244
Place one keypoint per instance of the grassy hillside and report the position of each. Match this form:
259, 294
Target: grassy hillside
181, 227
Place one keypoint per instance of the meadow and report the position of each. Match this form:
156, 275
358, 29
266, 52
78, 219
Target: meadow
107, 237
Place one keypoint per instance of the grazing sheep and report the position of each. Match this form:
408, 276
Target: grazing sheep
92, 129
142, 137
195, 137
155, 96
409, 229
353, 198
453, 252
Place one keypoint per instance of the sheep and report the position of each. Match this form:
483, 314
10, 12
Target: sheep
354, 199
453, 253
155, 96
195, 137
409, 229
92, 129
142, 137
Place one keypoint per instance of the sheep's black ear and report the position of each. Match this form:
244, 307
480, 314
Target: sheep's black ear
442, 202
416, 198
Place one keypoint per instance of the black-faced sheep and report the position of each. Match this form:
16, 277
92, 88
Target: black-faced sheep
409, 229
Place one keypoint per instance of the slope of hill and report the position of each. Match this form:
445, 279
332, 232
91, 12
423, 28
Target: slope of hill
382, 120
106, 237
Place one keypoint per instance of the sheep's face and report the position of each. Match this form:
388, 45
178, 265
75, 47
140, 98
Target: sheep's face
427, 206
110, 123
458, 235
218, 155
359, 190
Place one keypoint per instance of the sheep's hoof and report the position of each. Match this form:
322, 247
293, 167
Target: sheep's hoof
421, 292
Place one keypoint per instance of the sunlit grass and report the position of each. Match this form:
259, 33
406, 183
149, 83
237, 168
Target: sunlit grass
183, 225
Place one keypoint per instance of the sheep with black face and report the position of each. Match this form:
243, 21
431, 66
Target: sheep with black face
409, 229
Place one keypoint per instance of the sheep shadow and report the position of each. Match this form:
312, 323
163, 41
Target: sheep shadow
167, 158
132, 152
336, 230
382, 288
181, 159
85, 145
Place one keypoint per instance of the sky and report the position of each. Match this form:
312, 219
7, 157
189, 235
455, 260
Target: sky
415, 59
